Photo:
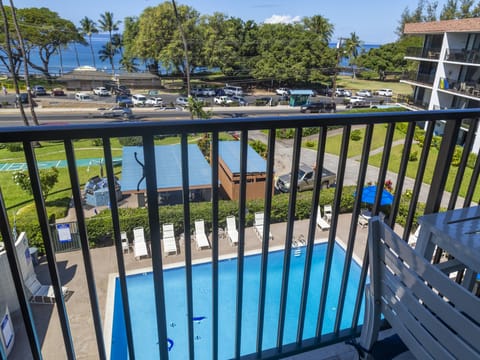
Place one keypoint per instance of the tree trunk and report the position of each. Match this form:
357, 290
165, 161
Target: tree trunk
10, 59
27, 76
91, 49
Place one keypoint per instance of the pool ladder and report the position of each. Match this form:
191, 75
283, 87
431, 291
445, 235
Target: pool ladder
297, 243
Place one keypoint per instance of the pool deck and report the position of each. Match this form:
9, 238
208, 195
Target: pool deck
104, 263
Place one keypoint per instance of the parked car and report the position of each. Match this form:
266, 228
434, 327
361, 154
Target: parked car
101, 91
139, 100
318, 107
81, 96
154, 101
282, 91
220, 92
124, 101
384, 92
306, 177
240, 100
264, 101
364, 92
39, 91
208, 92
23, 99
340, 92
182, 101
357, 101
222, 100
57, 92
121, 90
117, 111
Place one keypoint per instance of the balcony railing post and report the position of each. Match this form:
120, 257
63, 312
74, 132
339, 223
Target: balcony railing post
440, 173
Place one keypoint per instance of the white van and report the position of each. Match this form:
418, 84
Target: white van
83, 97
233, 90
139, 100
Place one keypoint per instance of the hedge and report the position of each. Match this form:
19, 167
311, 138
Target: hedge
100, 228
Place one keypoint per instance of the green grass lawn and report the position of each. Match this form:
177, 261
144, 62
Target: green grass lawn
394, 165
59, 197
355, 147
348, 82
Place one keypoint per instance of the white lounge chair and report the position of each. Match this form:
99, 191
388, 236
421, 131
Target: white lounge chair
200, 236
139, 243
232, 232
321, 222
412, 239
327, 212
169, 242
258, 226
41, 294
125, 244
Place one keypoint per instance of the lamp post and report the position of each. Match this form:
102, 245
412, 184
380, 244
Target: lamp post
339, 52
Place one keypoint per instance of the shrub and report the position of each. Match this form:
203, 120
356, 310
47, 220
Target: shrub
14, 147
131, 141
259, 147
472, 159
413, 156
97, 142
310, 144
356, 135
457, 155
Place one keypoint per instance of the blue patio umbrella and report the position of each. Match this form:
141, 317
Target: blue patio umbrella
369, 192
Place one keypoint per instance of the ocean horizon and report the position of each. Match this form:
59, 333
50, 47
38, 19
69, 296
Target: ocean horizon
76, 55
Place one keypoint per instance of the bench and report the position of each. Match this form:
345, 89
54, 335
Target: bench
435, 317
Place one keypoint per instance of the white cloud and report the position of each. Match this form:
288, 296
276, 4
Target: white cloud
282, 19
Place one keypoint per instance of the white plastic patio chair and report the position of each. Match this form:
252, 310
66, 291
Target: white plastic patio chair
169, 242
200, 235
125, 244
258, 226
232, 232
139, 243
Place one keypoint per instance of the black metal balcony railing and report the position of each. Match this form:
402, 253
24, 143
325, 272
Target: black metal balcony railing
463, 55
67, 134
422, 78
419, 52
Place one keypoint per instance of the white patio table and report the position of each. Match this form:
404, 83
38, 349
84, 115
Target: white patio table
458, 233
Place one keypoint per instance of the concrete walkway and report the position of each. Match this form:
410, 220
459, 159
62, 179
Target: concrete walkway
72, 274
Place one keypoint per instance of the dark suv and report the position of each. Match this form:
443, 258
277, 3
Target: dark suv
318, 107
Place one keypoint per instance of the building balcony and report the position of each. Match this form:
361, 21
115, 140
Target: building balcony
421, 53
303, 308
463, 56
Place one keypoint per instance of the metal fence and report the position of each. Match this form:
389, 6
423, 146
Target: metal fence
244, 126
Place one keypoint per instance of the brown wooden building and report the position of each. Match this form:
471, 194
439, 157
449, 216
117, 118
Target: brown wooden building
229, 171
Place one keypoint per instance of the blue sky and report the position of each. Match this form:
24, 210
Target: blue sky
374, 21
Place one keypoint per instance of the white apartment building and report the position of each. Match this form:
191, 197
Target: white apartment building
448, 74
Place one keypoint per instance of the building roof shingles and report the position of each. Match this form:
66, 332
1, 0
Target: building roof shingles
470, 25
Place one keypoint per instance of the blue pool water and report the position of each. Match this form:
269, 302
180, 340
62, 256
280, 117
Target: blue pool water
142, 307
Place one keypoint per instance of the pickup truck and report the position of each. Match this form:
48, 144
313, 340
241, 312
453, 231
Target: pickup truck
282, 91
306, 177
357, 102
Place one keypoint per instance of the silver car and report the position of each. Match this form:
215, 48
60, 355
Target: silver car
117, 111
181, 101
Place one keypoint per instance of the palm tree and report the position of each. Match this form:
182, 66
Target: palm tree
88, 27
108, 24
128, 64
320, 26
107, 52
351, 47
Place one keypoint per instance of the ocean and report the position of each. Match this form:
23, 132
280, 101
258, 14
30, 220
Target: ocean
76, 55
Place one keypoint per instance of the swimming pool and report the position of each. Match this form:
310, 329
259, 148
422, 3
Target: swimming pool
141, 299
